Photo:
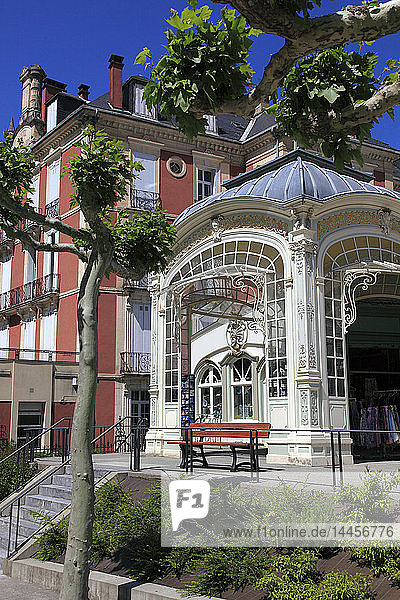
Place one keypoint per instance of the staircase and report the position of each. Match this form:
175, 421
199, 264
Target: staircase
48, 500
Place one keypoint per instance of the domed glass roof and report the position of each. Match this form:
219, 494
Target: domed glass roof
298, 174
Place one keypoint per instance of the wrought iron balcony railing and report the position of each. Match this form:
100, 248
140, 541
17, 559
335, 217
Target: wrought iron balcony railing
144, 200
37, 354
34, 290
141, 284
51, 209
135, 362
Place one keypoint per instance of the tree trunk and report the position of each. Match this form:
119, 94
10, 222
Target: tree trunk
76, 567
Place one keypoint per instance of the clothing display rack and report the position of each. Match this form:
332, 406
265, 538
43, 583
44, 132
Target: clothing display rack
379, 411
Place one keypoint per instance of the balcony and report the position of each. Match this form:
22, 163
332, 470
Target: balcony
144, 200
35, 354
137, 284
51, 210
36, 291
135, 363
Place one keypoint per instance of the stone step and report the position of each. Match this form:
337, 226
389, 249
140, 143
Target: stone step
25, 528
62, 480
31, 514
55, 491
46, 503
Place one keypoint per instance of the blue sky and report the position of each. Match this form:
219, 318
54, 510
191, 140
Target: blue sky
73, 41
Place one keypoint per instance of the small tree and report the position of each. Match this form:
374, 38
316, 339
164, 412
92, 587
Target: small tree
320, 91
127, 247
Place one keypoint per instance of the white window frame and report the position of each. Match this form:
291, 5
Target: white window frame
51, 115
211, 385
213, 171
242, 384
211, 126
139, 105
53, 187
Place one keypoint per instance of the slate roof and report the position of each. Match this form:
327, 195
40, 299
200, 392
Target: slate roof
298, 174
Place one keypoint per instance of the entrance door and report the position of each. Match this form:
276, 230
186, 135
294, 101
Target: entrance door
140, 406
30, 421
373, 349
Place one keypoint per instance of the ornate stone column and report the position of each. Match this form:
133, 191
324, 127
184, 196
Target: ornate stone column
307, 368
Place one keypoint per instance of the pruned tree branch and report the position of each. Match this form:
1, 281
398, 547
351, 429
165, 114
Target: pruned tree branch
385, 98
26, 212
305, 36
29, 240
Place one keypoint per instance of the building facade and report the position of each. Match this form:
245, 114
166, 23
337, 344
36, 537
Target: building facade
281, 305
235, 328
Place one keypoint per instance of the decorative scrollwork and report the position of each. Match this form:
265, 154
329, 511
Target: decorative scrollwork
236, 335
254, 281
351, 282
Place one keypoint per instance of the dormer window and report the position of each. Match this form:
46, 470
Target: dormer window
51, 115
211, 126
139, 107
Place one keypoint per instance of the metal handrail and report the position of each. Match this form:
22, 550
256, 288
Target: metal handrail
16, 499
33, 439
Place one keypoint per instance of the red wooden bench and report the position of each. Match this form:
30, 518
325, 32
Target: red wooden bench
238, 437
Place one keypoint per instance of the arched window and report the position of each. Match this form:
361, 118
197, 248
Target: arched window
242, 389
211, 393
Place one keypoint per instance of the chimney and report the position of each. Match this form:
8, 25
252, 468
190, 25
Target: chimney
115, 67
83, 91
50, 89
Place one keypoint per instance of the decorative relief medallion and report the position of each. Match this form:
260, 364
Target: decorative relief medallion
300, 309
358, 217
236, 336
385, 220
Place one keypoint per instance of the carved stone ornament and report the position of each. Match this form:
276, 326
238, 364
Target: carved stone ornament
236, 336
314, 408
351, 282
302, 357
303, 252
303, 408
217, 228
385, 220
312, 357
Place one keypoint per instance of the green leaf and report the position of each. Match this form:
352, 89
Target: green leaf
142, 56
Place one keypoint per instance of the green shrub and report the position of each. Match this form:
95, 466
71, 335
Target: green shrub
342, 586
53, 542
382, 560
218, 569
293, 574
131, 528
